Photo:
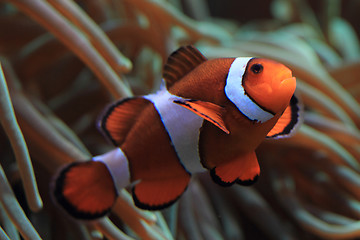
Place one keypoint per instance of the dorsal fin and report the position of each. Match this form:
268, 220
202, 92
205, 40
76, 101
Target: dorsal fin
119, 117
180, 63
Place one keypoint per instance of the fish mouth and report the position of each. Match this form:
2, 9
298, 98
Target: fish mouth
276, 96
283, 93
288, 84
278, 87
290, 79
274, 90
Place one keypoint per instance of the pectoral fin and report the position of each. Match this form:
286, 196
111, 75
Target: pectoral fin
243, 170
207, 110
289, 121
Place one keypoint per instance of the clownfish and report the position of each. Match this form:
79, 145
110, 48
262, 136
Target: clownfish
210, 115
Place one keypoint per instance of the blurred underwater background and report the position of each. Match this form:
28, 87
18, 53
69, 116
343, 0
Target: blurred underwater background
64, 61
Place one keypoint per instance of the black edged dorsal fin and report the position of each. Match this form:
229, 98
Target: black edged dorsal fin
119, 117
180, 63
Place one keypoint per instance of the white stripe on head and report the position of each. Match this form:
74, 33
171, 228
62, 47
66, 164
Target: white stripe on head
235, 91
118, 166
183, 127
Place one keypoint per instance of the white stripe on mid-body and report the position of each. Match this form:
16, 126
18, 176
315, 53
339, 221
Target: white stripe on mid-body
183, 127
235, 91
118, 166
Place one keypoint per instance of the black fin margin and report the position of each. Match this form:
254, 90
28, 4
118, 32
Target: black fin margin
145, 206
296, 119
57, 194
107, 112
102, 118
218, 180
181, 62
295, 114
247, 182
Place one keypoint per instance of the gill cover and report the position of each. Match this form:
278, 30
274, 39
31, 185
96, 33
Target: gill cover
260, 88
235, 91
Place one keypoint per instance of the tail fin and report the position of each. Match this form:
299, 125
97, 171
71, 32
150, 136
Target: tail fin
85, 190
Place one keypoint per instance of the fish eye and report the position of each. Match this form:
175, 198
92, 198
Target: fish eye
257, 68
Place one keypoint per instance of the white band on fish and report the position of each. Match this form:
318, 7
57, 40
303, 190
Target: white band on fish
118, 166
235, 91
184, 139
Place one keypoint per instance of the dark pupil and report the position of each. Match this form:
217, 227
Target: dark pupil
256, 68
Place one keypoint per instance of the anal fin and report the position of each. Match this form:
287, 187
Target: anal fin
159, 194
243, 170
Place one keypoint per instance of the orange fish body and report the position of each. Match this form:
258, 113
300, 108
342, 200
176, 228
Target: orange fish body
212, 115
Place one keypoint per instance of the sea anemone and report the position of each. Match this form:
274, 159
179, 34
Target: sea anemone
64, 61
